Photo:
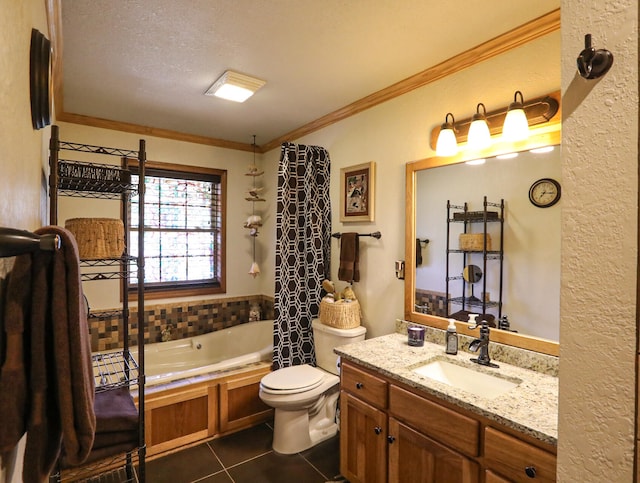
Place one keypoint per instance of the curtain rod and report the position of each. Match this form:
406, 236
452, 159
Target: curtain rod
375, 234
15, 242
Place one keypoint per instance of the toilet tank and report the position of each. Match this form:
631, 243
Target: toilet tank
326, 338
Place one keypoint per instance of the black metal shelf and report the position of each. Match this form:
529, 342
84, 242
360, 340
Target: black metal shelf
105, 314
114, 369
115, 469
473, 302
93, 180
461, 214
118, 368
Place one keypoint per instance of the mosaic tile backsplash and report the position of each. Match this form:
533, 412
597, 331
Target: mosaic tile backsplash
178, 320
430, 302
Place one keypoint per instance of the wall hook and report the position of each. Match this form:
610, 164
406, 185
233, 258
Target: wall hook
593, 63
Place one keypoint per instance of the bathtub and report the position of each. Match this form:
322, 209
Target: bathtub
209, 353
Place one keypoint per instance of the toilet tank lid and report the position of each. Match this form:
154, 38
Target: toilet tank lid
354, 332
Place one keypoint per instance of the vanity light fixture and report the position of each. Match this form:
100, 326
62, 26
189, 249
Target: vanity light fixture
538, 111
234, 86
447, 145
479, 135
516, 125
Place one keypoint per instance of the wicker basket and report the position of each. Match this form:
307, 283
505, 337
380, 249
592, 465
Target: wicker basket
340, 314
97, 237
473, 242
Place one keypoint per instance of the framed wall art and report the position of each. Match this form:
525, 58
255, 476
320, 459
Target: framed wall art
357, 192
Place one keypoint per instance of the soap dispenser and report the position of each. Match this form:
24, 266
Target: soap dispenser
451, 346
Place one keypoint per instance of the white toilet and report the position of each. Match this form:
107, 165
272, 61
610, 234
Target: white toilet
305, 397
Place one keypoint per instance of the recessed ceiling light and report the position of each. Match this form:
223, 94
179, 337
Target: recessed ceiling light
475, 162
234, 86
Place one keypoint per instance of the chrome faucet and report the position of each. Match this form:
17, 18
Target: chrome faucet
482, 344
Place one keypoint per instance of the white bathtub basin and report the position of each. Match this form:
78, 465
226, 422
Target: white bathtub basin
466, 378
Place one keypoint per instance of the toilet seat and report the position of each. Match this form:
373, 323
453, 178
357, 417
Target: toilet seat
292, 380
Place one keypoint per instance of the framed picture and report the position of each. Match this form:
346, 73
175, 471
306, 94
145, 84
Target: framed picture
357, 192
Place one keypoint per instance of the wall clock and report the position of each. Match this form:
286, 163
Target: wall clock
544, 192
40, 79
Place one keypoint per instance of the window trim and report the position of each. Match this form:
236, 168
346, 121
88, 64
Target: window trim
187, 290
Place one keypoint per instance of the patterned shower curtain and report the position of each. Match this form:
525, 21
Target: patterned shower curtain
303, 249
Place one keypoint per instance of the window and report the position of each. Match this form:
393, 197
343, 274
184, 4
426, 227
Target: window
184, 217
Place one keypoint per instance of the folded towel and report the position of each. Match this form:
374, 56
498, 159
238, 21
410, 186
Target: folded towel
418, 252
349, 269
115, 411
98, 454
113, 438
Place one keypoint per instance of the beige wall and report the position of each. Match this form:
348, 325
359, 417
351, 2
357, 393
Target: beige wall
22, 149
599, 253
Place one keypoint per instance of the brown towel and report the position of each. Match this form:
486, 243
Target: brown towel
115, 411
61, 376
418, 252
116, 426
349, 269
13, 376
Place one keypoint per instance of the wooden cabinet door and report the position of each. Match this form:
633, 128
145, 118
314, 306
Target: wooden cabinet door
363, 443
415, 458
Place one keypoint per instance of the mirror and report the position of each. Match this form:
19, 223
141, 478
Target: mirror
471, 273
525, 285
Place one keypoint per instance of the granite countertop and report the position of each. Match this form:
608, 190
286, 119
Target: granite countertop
531, 407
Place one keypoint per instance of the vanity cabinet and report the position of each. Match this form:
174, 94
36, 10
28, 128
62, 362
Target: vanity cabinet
392, 433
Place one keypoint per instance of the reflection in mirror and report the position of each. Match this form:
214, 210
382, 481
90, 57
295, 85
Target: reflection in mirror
472, 273
529, 285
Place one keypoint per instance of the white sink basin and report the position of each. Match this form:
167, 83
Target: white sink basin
466, 378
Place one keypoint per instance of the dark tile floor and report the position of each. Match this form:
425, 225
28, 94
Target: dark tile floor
246, 457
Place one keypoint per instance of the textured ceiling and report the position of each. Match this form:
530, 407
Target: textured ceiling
149, 62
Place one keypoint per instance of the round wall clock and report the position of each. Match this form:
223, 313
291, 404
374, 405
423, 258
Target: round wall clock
544, 192
40, 78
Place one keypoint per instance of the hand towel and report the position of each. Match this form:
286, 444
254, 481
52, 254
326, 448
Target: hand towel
418, 252
349, 269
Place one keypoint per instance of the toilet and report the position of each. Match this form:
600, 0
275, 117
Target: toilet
305, 397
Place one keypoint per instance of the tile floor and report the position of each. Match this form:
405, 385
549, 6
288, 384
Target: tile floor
247, 457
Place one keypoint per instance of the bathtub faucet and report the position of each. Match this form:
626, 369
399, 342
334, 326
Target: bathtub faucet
165, 334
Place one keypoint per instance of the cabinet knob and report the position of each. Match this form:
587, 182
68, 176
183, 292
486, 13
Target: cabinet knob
530, 471
377, 430
390, 439
359, 385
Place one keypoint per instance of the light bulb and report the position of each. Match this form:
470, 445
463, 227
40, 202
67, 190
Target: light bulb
516, 126
479, 136
447, 144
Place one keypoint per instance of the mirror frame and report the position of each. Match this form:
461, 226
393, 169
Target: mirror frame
546, 135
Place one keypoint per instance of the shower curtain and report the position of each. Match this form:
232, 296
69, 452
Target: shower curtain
303, 249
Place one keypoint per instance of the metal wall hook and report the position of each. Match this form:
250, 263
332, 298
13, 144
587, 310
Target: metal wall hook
593, 63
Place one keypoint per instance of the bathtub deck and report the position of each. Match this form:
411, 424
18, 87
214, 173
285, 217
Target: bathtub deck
246, 457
